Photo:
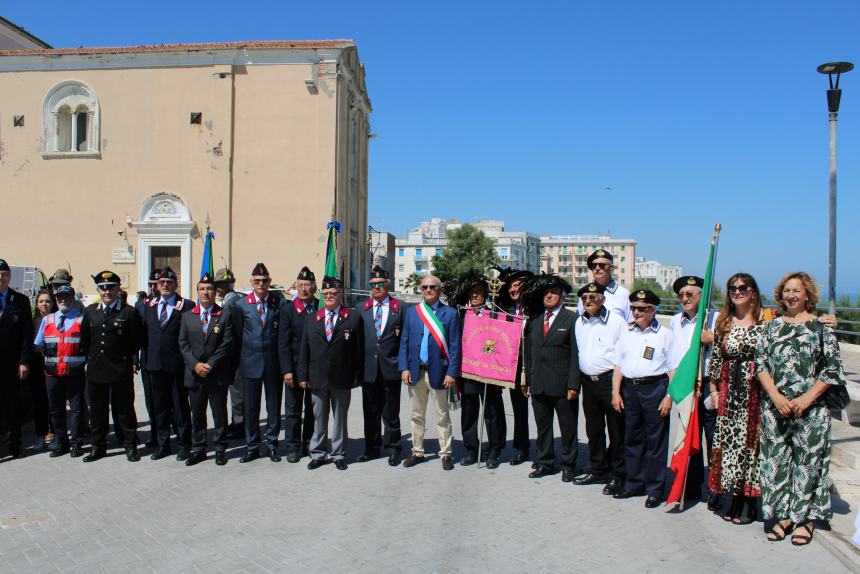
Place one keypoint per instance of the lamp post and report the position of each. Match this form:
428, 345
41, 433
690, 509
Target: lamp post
834, 94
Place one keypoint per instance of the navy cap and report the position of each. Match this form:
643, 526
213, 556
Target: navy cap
599, 254
378, 273
64, 290
305, 274
645, 296
592, 287
332, 283
687, 280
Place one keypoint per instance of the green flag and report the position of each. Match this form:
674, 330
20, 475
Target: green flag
331, 249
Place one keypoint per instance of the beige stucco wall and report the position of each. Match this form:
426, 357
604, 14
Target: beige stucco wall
71, 211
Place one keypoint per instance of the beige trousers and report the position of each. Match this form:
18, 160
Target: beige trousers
419, 392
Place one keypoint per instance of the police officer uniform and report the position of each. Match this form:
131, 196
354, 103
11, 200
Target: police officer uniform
148, 396
225, 279
617, 297
597, 338
167, 370
111, 336
380, 391
262, 364
330, 362
682, 328
297, 432
16, 348
206, 336
645, 359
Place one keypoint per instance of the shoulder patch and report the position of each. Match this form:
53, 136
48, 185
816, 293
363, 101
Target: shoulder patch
394, 304
367, 304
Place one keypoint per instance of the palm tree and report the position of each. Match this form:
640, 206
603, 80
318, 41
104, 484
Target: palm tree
412, 282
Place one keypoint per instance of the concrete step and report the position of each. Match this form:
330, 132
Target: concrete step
846, 445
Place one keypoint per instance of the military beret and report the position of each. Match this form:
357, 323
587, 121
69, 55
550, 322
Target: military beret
599, 254
4, 266
645, 296
592, 287
332, 283
305, 274
106, 279
167, 273
60, 277
64, 290
224, 275
378, 273
260, 270
687, 280
153, 275
206, 280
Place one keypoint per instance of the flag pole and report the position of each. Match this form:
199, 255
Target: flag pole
701, 361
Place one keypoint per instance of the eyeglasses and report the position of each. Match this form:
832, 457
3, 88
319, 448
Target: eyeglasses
601, 265
738, 289
642, 309
684, 295
590, 297
429, 287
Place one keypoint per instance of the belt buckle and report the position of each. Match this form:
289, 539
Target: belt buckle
594, 378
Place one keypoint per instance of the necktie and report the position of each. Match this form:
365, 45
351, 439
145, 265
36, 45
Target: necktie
60, 320
519, 310
377, 320
204, 321
329, 325
107, 311
162, 316
261, 311
423, 353
546, 322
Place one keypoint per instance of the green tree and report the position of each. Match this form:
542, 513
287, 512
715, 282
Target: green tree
412, 282
468, 250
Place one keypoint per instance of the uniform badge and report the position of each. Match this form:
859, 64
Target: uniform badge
396, 331
649, 353
346, 335
216, 329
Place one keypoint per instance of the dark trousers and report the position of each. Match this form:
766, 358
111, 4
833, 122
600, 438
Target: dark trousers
520, 407
252, 392
494, 418
544, 407
117, 397
60, 391
88, 416
696, 475
297, 433
171, 407
10, 405
39, 397
237, 404
215, 396
380, 402
646, 436
600, 419
149, 401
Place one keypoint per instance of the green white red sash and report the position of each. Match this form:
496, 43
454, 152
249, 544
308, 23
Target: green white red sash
434, 326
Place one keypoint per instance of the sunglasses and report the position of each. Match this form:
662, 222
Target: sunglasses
590, 297
377, 285
601, 265
739, 289
429, 287
642, 309
683, 295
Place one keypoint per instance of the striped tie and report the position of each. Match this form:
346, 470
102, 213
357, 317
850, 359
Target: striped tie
162, 317
329, 325
377, 320
261, 311
546, 323
204, 322
61, 319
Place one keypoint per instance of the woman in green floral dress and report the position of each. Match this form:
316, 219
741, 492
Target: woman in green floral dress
794, 449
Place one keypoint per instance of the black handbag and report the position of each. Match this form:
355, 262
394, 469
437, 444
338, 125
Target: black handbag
835, 397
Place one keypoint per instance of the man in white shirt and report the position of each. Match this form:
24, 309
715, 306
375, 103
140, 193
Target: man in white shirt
616, 297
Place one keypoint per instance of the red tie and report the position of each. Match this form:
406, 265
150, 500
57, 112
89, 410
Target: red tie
546, 322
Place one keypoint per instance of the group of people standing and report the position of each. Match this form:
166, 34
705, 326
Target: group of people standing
765, 425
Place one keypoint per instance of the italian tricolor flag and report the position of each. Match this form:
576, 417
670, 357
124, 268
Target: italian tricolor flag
683, 390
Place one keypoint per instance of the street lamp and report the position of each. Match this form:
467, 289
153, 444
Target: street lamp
834, 94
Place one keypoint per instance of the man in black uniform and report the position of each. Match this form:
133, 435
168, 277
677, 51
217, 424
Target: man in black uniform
380, 393
166, 367
16, 346
225, 297
298, 433
111, 335
140, 307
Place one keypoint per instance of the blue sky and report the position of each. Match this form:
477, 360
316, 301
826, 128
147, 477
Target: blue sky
525, 112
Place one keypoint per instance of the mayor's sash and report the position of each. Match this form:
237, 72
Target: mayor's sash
434, 326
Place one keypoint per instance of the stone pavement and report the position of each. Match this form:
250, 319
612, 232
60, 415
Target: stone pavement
61, 515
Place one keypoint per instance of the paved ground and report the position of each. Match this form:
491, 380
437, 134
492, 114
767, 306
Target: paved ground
60, 515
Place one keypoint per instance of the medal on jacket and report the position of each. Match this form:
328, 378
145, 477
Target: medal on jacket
346, 335
396, 331
216, 329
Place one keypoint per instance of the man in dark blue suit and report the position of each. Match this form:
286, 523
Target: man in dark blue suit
429, 364
383, 326
264, 366
166, 367
148, 397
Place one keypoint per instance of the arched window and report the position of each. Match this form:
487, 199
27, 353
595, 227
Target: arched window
70, 120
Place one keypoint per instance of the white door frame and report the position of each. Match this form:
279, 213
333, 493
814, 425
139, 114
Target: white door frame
164, 221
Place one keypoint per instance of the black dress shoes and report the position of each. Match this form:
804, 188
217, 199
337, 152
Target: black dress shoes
540, 471
628, 493
95, 454
567, 475
250, 455
196, 457
131, 454
274, 456
469, 459
162, 452
519, 458
315, 463
412, 460
447, 463
59, 451
184, 454
493, 463
393, 459
76, 451
15, 452
369, 455
340, 464
613, 487
220, 457
590, 478
293, 457
714, 502
652, 502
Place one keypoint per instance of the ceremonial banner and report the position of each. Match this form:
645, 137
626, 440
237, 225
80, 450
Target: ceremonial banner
491, 348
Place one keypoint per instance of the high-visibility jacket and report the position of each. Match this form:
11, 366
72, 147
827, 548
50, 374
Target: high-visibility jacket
63, 356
